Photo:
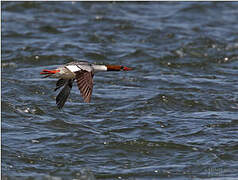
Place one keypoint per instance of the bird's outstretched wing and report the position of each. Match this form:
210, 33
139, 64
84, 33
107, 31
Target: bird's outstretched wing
64, 93
85, 84
60, 83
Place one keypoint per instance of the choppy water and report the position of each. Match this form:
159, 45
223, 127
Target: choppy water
175, 116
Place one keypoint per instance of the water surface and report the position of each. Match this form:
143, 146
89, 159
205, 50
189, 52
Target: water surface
174, 117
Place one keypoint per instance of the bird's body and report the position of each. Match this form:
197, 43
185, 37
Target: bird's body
83, 73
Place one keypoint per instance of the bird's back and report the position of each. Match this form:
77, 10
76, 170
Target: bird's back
79, 65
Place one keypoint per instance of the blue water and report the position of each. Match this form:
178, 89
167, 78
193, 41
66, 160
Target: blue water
175, 116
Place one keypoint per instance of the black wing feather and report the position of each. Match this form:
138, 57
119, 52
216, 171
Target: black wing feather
60, 83
64, 93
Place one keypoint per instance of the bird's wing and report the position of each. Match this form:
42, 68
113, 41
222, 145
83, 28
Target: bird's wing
85, 84
64, 94
60, 83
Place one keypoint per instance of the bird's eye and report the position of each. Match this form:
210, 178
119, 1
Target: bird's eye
122, 67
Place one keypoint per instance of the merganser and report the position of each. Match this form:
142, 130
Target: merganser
83, 72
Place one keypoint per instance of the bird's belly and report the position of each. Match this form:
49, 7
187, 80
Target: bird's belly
68, 75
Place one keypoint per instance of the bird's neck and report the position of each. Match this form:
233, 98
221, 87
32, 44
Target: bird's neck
99, 68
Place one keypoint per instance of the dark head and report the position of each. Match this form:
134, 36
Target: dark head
117, 68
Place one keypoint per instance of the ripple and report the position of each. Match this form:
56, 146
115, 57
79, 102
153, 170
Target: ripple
173, 116
49, 29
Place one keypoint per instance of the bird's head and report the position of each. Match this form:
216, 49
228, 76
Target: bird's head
117, 68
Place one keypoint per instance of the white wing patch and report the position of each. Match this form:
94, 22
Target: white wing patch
73, 68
